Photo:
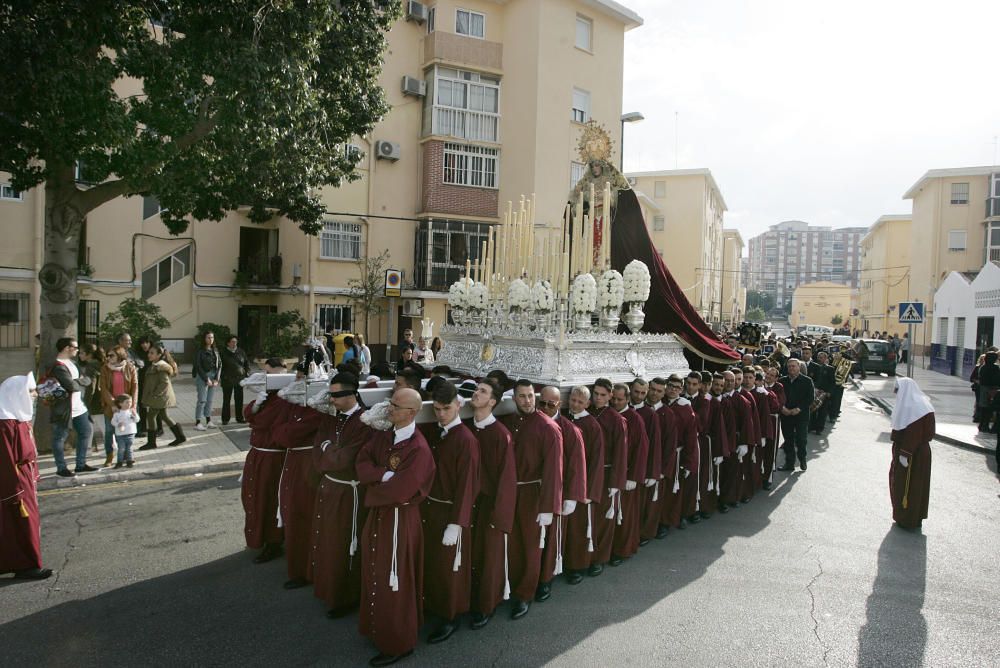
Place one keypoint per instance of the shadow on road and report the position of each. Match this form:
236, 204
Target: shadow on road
895, 631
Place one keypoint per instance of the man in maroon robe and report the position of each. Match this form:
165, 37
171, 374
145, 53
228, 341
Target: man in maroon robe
339, 513
913, 427
739, 426
649, 516
652, 524
574, 490
447, 515
767, 408
685, 457
262, 470
538, 454
608, 514
771, 448
579, 549
20, 524
627, 535
720, 445
697, 501
751, 471
494, 511
397, 468
297, 488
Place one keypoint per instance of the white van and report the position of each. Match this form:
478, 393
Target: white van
817, 331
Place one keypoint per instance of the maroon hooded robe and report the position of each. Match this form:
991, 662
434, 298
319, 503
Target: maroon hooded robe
574, 489
392, 544
297, 488
579, 548
615, 475
262, 472
682, 503
627, 535
913, 482
339, 513
20, 526
660, 449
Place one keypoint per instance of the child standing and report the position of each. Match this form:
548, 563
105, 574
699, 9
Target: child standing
124, 421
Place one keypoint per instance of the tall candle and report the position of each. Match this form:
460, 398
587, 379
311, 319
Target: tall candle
607, 222
590, 236
482, 261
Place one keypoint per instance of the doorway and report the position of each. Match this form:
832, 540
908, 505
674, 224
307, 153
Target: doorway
250, 325
984, 334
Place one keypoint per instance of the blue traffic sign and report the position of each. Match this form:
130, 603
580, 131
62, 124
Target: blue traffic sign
911, 313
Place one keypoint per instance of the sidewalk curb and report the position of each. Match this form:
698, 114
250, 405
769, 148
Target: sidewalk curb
126, 475
972, 447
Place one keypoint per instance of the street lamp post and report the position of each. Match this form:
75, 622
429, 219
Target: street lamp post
630, 117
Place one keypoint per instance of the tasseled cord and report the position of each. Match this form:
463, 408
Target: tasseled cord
393, 576
506, 571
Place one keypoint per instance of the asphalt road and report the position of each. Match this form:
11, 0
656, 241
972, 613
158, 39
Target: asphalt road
814, 573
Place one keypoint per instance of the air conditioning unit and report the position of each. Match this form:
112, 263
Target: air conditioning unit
416, 11
631, 180
413, 308
387, 150
414, 86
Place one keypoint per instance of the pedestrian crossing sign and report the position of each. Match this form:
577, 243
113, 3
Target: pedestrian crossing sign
911, 313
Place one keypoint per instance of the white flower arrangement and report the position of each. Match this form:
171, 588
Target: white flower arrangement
542, 299
377, 417
518, 295
478, 298
612, 290
584, 294
458, 294
637, 281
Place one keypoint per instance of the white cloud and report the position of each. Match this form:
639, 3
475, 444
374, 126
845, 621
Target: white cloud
823, 113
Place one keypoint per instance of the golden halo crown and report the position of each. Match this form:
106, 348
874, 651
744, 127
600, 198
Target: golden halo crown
595, 143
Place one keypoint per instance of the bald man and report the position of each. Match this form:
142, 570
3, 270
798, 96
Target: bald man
397, 469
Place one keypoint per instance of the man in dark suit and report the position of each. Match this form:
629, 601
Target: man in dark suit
799, 395
822, 375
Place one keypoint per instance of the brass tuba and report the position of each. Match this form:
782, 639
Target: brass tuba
843, 370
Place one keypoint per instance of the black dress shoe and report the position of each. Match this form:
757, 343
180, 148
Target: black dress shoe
442, 633
341, 612
148, 446
543, 592
595, 570
574, 577
723, 508
33, 574
644, 542
86, 468
66, 473
803, 466
703, 515
519, 609
616, 560
479, 620
271, 551
745, 500
766, 486
296, 583
388, 659
694, 519
662, 531
683, 524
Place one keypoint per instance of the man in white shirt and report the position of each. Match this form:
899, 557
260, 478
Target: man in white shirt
69, 411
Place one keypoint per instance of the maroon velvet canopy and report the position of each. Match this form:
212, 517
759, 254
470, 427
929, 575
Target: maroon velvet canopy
667, 310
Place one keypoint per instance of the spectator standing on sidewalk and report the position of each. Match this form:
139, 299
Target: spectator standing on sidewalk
69, 411
989, 384
206, 377
91, 361
235, 367
158, 395
904, 349
138, 357
118, 376
366, 355
124, 422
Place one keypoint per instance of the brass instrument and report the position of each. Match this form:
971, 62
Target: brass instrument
820, 397
842, 370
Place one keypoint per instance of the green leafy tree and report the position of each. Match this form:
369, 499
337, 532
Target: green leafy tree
837, 319
756, 314
285, 334
222, 334
137, 317
368, 290
239, 103
760, 299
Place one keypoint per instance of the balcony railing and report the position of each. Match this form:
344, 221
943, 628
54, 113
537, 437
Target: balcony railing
994, 254
259, 270
471, 125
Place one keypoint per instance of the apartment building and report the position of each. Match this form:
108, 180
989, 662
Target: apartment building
820, 303
794, 252
734, 291
885, 274
684, 211
955, 228
488, 101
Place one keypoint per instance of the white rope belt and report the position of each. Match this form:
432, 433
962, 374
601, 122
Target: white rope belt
677, 471
458, 546
559, 549
12, 496
506, 571
711, 465
697, 481
777, 426
393, 575
302, 447
530, 482
354, 515
431, 498
254, 447
590, 527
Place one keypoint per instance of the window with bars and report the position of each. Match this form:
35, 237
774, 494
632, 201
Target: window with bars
14, 319
959, 333
338, 315
959, 193
166, 272
470, 165
942, 338
442, 247
462, 103
340, 241
659, 223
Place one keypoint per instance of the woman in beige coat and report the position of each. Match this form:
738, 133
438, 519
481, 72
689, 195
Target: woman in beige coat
158, 395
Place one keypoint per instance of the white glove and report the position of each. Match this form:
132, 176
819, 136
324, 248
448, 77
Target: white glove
261, 397
741, 451
569, 505
544, 519
686, 473
451, 534
387, 475
630, 485
612, 491
904, 460
650, 482
717, 460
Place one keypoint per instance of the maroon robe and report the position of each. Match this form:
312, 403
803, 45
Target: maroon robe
574, 489
392, 544
739, 426
702, 406
262, 473
627, 535
578, 550
339, 513
297, 488
751, 463
682, 502
538, 458
767, 409
615, 475
493, 516
661, 447
913, 482
448, 568
20, 524
772, 443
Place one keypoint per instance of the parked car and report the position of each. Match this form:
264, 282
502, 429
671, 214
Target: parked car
881, 357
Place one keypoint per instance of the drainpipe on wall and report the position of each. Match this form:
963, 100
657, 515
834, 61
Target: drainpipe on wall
38, 251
